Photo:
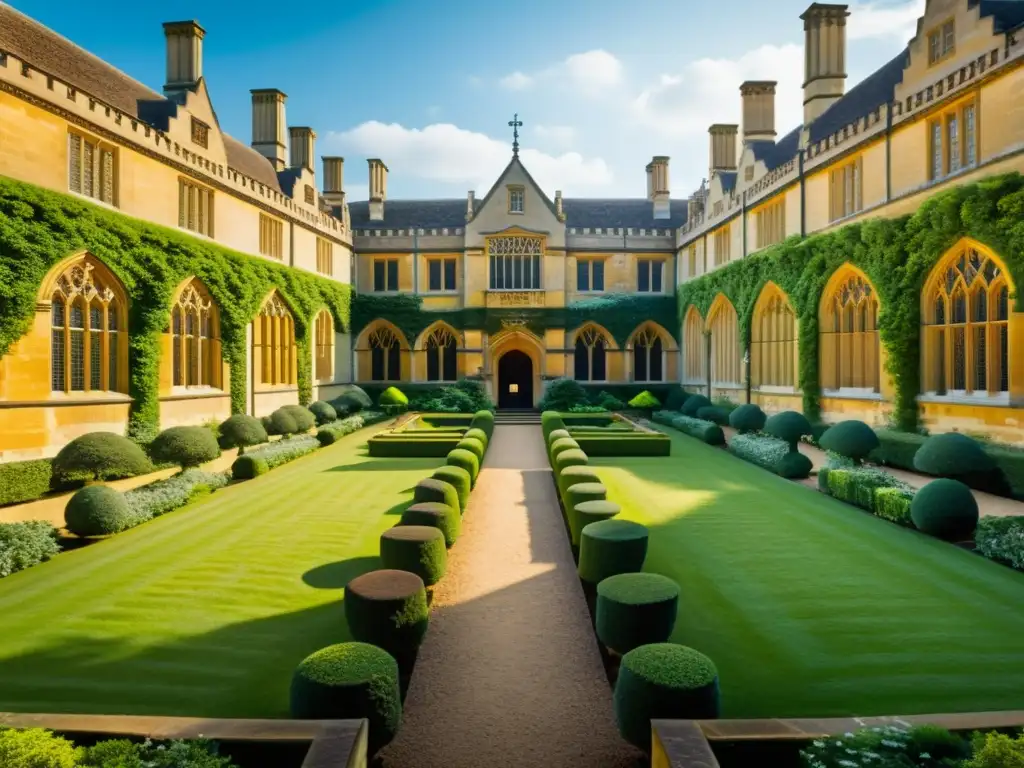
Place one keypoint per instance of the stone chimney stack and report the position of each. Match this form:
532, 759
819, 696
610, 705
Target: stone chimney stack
470, 204
184, 54
559, 207
378, 188
722, 155
302, 142
268, 125
824, 57
657, 186
334, 179
758, 110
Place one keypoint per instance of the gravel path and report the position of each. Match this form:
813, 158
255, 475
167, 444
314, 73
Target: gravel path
510, 673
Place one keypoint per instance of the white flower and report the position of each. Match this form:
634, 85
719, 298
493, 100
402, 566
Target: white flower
925, 756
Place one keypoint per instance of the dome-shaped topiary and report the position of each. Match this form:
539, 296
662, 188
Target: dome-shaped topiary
562, 444
573, 457
97, 510
350, 681
557, 434
952, 455
388, 608
588, 512
304, 420
693, 404
99, 456
468, 460
677, 397
645, 401
352, 400
794, 466
579, 473
392, 396
715, 414
475, 433
635, 609
610, 547
281, 422
789, 426
434, 514
663, 681
418, 549
853, 439
458, 478
242, 430
579, 494
441, 491
247, 467
945, 509
747, 418
472, 445
185, 446
484, 421
323, 412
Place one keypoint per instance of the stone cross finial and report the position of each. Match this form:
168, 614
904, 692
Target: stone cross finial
515, 124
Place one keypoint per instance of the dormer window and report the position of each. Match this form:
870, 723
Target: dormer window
516, 199
941, 42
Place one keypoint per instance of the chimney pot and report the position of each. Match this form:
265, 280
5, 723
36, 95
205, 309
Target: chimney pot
657, 186
268, 125
378, 188
470, 204
184, 40
302, 142
334, 179
722, 153
758, 110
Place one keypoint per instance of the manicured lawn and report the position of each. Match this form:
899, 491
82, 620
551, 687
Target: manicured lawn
207, 610
813, 608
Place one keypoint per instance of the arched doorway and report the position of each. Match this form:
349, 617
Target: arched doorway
515, 380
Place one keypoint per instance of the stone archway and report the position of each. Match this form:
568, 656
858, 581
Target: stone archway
515, 380
526, 344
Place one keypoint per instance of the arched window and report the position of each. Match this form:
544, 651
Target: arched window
87, 325
648, 355
324, 337
195, 338
441, 349
695, 364
590, 355
723, 325
773, 341
274, 336
385, 355
966, 318
849, 334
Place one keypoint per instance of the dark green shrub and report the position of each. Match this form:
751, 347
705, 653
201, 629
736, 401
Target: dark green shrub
483, 420
789, 426
99, 456
304, 419
677, 397
408, 445
610, 402
794, 466
747, 418
573, 457
635, 609
996, 750
958, 456
22, 481
418, 549
35, 748
388, 608
468, 460
185, 446
549, 422
1010, 461
97, 510
853, 439
241, 430
588, 512
114, 753
323, 412
579, 494
476, 433
715, 414
578, 473
247, 467
627, 444
352, 400
25, 544
435, 514
645, 401
693, 404
897, 449
393, 396
563, 394
945, 509
472, 445
441, 491
350, 681
893, 504
705, 431
451, 401
610, 547
281, 422
560, 445
459, 479
823, 479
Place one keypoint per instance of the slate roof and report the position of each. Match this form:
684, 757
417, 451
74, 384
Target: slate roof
728, 179
40, 46
1007, 14
868, 95
776, 153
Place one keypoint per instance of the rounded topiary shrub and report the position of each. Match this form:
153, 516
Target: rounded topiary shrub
579, 473
468, 460
388, 608
952, 455
714, 414
393, 396
794, 466
432, 489
663, 681
693, 404
562, 444
458, 478
97, 510
476, 433
185, 446
242, 430
248, 467
747, 418
611, 547
472, 445
853, 439
418, 549
789, 426
563, 394
573, 457
435, 514
323, 412
549, 422
557, 434
588, 512
282, 422
677, 397
945, 509
352, 400
350, 681
304, 419
99, 456
579, 494
484, 421
635, 609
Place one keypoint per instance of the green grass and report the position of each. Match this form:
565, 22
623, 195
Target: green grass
810, 607
208, 610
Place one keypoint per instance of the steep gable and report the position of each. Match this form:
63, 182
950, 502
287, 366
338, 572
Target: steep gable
494, 214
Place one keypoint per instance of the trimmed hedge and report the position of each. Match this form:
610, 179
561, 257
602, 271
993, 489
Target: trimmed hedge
23, 545
557, 434
610, 547
248, 467
765, 451
1001, 539
441, 491
459, 479
185, 446
426, 444
705, 431
460, 457
97, 510
350, 681
476, 433
945, 509
549, 422
588, 512
578, 473
472, 445
418, 549
323, 412
893, 504
580, 493
560, 445
747, 418
484, 421
573, 457
388, 609
22, 481
715, 414
625, 444
635, 609
434, 514
99, 456
693, 404
853, 439
241, 431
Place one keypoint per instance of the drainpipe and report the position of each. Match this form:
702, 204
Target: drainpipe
354, 278
803, 194
743, 215
415, 292
888, 152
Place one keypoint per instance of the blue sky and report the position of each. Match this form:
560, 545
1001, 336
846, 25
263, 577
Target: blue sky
600, 85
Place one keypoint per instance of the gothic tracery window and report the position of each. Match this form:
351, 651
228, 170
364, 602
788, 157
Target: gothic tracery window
324, 332
274, 336
648, 355
849, 335
773, 341
591, 355
195, 341
966, 319
515, 262
385, 355
86, 319
726, 359
441, 348
695, 344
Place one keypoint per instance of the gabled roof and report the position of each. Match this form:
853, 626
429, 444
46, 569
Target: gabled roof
515, 161
40, 46
869, 94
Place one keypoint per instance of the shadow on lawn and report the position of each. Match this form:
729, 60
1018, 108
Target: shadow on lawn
387, 465
338, 575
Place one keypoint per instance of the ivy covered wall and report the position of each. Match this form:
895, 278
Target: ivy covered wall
896, 254
39, 228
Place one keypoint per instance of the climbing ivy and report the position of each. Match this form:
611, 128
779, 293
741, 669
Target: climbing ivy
39, 228
896, 254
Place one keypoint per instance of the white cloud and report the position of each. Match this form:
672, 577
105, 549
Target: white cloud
592, 71
555, 135
884, 20
517, 81
445, 153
